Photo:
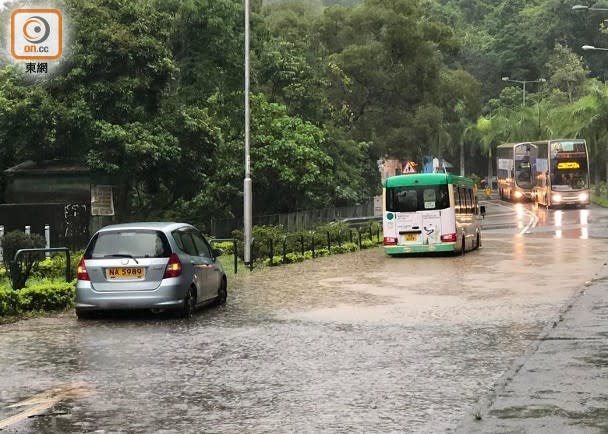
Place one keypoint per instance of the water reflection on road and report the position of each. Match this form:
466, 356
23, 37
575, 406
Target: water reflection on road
352, 343
529, 219
565, 223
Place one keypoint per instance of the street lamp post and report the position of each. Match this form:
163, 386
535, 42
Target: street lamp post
247, 206
523, 83
587, 8
592, 48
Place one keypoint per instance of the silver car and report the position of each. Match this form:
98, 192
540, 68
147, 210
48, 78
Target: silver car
157, 266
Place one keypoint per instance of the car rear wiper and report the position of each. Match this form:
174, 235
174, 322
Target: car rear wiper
122, 255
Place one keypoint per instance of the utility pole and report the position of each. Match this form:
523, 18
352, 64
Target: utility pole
247, 206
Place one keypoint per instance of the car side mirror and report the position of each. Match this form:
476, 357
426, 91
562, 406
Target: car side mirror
218, 252
482, 210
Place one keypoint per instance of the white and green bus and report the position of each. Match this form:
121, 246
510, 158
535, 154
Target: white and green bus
430, 212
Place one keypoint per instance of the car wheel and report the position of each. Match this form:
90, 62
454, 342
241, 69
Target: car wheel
463, 247
222, 293
189, 304
478, 244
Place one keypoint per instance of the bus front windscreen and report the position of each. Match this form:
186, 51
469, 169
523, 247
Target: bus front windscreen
418, 198
569, 173
565, 180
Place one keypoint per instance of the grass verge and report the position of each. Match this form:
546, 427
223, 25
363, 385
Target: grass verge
600, 200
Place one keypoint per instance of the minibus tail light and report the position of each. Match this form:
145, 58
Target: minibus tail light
448, 238
390, 241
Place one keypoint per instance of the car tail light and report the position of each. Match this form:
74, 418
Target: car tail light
82, 271
390, 241
448, 238
174, 267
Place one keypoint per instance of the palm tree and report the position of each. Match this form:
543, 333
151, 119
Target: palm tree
493, 131
586, 118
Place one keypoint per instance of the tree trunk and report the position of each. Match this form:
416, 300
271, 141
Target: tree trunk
490, 174
606, 179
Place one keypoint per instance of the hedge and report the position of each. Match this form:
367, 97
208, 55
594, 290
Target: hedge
318, 239
44, 296
291, 257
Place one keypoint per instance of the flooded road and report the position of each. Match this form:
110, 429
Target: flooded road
350, 343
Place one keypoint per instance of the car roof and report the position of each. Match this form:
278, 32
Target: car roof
159, 226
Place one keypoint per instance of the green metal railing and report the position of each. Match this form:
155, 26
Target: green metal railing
15, 269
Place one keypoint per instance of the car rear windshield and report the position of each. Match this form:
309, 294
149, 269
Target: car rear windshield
129, 243
417, 198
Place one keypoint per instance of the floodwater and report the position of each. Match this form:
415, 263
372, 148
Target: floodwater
351, 343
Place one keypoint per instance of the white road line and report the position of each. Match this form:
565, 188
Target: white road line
531, 223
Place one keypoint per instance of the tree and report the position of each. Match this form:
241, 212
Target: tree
206, 41
355, 172
493, 130
568, 74
290, 171
384, 67
116, 99
290, 61
461, 102
586, 118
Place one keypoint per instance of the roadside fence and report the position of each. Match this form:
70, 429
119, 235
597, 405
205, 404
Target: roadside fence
297, 247
298, 220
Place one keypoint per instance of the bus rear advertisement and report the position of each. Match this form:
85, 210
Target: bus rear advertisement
430, 212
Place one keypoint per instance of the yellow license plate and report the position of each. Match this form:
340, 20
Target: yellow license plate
410, 237
125, 273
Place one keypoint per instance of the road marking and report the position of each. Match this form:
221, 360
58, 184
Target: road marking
531, 224
43, 401
533, 217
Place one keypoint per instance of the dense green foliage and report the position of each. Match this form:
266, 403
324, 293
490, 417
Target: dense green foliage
150, 94
41, 297
54, 266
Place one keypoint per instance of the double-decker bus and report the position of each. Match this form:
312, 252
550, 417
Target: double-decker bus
430, 212
515, 170
562, 173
